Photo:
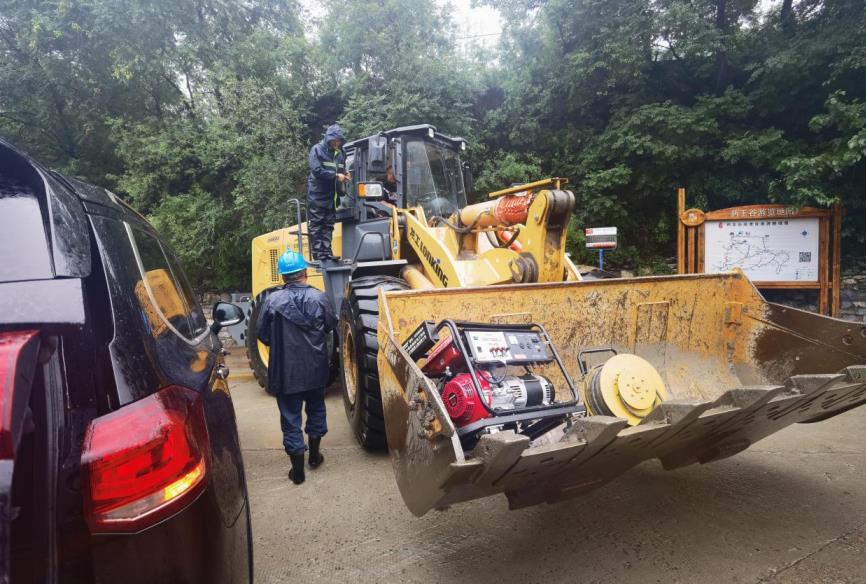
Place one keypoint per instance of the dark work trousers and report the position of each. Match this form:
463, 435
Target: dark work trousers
290, 418
320, 224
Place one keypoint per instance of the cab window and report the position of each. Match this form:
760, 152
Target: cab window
347, 197
434, 179
350, 168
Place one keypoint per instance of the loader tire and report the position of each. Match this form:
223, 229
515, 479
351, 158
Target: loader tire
258, 365
359, 347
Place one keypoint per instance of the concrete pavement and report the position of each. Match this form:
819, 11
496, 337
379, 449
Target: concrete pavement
791, 509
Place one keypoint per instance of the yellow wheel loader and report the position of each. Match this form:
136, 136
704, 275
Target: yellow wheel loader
419, 235
495, 369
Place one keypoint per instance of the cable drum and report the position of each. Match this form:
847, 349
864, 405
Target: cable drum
625, 386
591, 391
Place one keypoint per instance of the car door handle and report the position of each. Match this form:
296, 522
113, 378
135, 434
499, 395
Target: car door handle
222, 372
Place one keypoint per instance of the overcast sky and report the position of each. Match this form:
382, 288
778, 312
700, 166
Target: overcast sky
480, 24
483, 24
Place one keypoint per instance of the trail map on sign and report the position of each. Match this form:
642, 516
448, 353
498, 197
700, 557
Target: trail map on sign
766, 249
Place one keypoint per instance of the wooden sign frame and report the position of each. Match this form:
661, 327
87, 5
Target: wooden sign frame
691, 239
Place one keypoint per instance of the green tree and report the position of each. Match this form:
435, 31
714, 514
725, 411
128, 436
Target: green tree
632, 98
201, 112
395, 64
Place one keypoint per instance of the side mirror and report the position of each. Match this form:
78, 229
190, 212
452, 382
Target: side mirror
226, 314
371, 191
468, 179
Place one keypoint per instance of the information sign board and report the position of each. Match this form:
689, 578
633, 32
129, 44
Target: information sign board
766, 249
776, 246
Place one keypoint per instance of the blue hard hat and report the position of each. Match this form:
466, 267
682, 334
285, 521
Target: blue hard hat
290, 262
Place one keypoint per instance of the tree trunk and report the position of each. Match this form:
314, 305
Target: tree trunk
787, 16
722, 50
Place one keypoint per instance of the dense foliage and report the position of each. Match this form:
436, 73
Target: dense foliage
200, 112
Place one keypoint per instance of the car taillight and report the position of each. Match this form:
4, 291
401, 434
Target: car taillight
144, 462
18, 351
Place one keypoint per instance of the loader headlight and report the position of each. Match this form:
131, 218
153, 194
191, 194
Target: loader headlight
372, 191
463, 146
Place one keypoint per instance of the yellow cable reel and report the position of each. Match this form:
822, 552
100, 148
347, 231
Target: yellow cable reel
625, 386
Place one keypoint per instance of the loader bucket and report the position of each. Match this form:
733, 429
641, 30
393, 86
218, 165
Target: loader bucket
737, 368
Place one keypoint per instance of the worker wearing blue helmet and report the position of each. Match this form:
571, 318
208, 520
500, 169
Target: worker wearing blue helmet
295, 322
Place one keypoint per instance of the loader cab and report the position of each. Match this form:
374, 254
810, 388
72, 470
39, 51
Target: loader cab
427, 169
428, 173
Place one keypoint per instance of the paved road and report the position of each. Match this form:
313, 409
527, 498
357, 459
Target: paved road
790, 509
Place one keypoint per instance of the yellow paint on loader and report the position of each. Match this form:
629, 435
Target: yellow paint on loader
266, 250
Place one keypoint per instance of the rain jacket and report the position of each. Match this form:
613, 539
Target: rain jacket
294, 322
323, 188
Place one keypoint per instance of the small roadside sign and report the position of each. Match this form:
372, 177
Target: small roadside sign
601, 237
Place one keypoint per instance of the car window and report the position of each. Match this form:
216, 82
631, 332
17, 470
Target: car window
196, 315
24, 253
165, 285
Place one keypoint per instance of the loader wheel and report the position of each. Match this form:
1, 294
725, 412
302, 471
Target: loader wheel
359, 347
257, 353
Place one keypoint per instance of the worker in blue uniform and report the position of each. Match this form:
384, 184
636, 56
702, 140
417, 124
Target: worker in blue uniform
324, 187
295, 322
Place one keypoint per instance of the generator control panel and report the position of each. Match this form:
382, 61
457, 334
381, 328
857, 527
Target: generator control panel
507, 346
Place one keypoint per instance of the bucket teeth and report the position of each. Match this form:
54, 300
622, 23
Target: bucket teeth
856, 373
678, 432
809, 384
598, 432
746, 397
595, 428
676, 412
498, 452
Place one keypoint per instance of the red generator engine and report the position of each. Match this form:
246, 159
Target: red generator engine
461, 399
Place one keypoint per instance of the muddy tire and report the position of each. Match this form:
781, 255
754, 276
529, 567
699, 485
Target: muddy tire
359, 347
258, 364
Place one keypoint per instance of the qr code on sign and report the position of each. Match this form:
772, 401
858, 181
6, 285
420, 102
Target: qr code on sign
805, 257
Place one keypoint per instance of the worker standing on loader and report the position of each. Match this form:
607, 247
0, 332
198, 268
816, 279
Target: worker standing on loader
294, 323
324, 186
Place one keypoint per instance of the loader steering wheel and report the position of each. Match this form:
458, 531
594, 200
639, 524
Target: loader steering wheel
379, 209
436, 206
426, 198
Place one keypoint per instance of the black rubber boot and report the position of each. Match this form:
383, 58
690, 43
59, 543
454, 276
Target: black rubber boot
297, 472
316, 458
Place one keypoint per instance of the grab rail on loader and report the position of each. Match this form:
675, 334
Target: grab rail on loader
298, 222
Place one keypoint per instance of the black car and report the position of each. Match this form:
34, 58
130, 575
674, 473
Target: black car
119, 451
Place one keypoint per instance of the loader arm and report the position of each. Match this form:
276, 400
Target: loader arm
544, 232
438, 249
529, 228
